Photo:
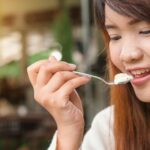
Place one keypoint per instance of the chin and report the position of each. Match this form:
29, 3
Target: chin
142, 93
143, 98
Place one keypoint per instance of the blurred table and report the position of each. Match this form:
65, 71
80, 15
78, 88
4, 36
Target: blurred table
31, 127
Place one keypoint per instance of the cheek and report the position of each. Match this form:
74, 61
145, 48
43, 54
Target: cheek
115, 57
144, 43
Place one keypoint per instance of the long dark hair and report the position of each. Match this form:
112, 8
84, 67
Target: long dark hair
131, 116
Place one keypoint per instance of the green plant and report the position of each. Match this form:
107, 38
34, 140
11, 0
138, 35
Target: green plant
62, 32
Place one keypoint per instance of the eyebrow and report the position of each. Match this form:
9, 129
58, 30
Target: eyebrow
131, 22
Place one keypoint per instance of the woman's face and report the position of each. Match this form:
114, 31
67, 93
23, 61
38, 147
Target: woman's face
130, 49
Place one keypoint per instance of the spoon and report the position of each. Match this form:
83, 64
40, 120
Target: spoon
120, 78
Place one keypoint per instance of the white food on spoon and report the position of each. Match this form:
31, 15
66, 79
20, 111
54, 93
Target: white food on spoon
122, 78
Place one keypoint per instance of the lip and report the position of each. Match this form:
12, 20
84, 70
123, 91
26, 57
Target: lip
141, 79
137, 68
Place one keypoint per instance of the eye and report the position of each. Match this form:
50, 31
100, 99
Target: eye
115, 38
145, 32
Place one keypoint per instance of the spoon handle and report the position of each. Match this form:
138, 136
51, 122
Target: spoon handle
93, 76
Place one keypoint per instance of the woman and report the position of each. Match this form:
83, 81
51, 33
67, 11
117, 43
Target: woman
126, 124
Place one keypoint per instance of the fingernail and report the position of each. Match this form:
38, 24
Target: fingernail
73, 66
88, 78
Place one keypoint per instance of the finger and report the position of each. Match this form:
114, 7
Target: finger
52, 59
47, 70
44, 75
74, 97
59, 79
33, 70
71, 85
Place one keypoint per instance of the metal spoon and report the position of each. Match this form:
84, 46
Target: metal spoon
121, 78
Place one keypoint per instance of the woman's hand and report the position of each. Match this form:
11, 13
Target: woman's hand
54, 85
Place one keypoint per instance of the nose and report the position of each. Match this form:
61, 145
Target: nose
130, 52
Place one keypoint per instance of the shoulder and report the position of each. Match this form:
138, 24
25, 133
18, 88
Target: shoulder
100, 135
105, 116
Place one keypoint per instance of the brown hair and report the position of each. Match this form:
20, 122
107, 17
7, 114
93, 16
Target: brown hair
131, 116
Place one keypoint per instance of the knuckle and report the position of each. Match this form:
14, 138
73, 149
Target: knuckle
41, 99
64, 64
44, 68
53, 103
58, 101
53, 100
60, 75
71, 84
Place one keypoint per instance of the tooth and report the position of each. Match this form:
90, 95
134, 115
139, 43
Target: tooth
142, 71
138, 72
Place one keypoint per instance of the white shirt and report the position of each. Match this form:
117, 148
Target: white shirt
99, 136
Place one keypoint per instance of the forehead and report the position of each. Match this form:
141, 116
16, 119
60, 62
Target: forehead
112, 17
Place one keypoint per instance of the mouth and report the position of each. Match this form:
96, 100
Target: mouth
140, 76
140, 73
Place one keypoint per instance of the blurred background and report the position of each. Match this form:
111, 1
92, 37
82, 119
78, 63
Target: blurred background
31, 30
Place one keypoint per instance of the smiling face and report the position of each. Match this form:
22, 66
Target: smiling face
130, 49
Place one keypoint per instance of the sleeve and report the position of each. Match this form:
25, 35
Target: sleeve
53, 144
